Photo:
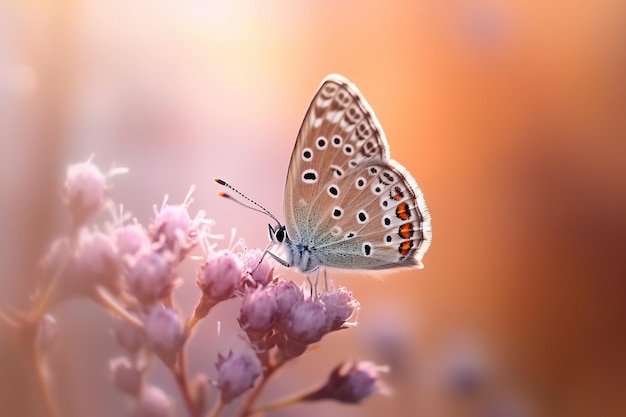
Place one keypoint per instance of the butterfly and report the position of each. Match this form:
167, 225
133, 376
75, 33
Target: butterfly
347, 204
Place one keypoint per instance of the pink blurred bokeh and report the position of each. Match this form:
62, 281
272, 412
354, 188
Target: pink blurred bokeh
511, 115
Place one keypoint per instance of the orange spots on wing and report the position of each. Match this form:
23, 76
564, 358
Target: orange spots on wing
403, 211
396, 194
406, 231
405, 247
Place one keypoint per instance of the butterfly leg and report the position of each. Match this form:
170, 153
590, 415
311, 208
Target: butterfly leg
276, 258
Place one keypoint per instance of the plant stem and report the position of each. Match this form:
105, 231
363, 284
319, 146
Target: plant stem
256, 391
285, 402
30, 330
179, 370
217, 409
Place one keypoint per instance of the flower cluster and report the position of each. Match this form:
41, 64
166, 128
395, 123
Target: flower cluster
132, 272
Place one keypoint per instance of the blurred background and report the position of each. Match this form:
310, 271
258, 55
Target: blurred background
511, 115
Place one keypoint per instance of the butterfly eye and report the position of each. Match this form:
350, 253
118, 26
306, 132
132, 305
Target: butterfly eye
281, 234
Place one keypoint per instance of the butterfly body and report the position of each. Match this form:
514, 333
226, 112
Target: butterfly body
347, 204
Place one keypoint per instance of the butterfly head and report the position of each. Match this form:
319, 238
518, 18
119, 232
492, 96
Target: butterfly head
278, 234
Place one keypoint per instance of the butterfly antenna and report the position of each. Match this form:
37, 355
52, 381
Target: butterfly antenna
255, 206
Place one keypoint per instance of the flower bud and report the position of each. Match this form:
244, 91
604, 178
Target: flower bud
172, 230
129, 336
152, 402
288, 293
125, 376
131, 239
236, 374
85, 187
339, 305
150, 276
257, 311
306, 322
351, 383
220, 275
261, 273
165, 334
96, 262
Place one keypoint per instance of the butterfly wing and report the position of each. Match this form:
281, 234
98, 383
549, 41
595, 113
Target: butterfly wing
339, 132
377, 219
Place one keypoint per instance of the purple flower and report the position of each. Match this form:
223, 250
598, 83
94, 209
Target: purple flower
84, 192
150, 276
131, 239
152, 402
351, 383
220, 275
339, 305
165, 333
95, 262
287, 295
129, 336
306, 322
261, 273
172, 230
236, 374
126, 377
258, 310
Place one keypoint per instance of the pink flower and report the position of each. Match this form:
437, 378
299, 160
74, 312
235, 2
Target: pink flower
128, 336
339, 305
131, 239
172, 230
165, 334
261, 273
306, 322
351, 383
150, 276
236, 374
152, 402
288, 293
85, 187
257, 311
126, 377
220, 275
95, 262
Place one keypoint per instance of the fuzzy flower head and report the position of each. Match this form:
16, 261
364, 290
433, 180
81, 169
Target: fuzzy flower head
85, 189
165, 334
153, 402
91, 262
236, 374
220, 275
127, 335
258, 311
126, 377
339, 305
150, 276
173, 230
306, 322
131, 239
259, 267
352, 383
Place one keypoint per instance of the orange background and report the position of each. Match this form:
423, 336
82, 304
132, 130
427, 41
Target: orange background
511, 115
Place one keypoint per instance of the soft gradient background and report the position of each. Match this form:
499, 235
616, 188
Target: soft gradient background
511, 115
